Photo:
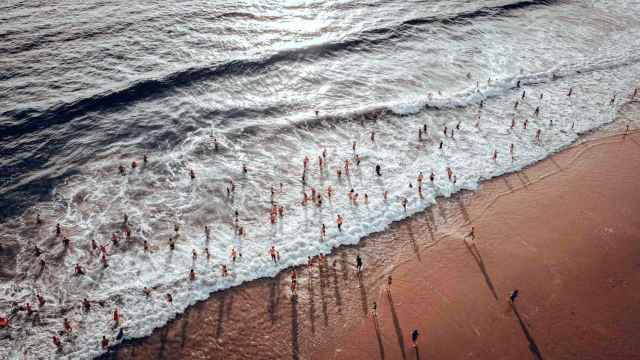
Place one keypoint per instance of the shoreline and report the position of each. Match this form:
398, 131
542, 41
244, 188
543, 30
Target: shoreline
300, 330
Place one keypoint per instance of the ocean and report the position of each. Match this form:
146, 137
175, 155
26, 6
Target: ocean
89, 86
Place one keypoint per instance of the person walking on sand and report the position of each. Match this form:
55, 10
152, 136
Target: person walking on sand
389, 280
374, 310
471, 234
414, 338
358, 263
513, 296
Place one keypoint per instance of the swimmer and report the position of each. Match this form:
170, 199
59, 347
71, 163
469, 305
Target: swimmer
104, 343
146, 246
339, 221
41, 300
404, 204
274, 254
86, 305
346, 167
78, 270
495, 155
103, 260
192, 275
122, 170
373, 136
386, 195
366, 199
570, 91
518, 84
170, 298
511, 150
37, 251
134, 164
66, 242
526, 122
114, 239
116, 316
192, 174
172, 244
323, 232
225, 271
207, 232
515, 105
234, 254
353, 146
67, 325
536, 112
538, 132
58, 230
146, 291
244, 169
513, 122
613, 100
145, 160
524, 92
57, 342
38, 220
441, 143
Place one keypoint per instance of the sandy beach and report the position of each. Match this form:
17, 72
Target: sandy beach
564, 232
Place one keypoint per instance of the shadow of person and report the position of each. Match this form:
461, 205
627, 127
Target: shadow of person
396, 324
533, 347
363, 293
417, 353
378, 337
476, 256
295, 329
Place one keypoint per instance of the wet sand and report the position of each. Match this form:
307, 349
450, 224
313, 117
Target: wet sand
565, 232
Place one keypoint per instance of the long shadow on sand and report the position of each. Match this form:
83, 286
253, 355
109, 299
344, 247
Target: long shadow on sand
396, 324
295, 329
363, 293
533, 347
378, 337
473, 249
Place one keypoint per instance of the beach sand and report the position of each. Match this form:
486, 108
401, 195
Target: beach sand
564, 232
